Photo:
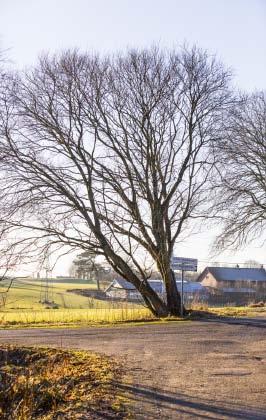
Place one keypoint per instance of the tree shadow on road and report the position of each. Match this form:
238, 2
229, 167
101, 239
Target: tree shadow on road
153, 403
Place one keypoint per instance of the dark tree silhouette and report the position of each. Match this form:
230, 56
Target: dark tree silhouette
87, 267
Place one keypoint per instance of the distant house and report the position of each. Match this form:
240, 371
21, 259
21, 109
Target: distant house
235, 283
122, 289
193, 291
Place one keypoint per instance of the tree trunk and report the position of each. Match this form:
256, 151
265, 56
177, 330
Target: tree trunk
173, 297
97, 280
150, 297
153, 301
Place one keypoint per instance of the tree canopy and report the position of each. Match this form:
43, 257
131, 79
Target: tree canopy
112, 155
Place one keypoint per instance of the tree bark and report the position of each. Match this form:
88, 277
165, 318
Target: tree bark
173, 297
153, 301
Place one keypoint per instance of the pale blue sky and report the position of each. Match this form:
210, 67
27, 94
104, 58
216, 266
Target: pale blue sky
233, 29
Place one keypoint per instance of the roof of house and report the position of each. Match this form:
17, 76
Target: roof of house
121, 284
235, 273
190, 287
157, 285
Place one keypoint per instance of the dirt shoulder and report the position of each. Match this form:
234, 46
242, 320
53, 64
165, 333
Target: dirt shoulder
200, 369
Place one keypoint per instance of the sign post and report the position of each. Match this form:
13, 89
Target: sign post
183, 264
182, 293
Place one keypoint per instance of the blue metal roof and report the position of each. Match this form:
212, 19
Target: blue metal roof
158, 286
190, 287
237, 274
122, 284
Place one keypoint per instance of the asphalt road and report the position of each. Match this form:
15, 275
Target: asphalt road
191, 370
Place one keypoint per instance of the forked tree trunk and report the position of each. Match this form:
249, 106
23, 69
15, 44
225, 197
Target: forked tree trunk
173, 298
150, 297
172, 307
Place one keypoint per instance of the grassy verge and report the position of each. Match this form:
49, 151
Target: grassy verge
109, 316
49, 384
73, 317
237, 311
228, 311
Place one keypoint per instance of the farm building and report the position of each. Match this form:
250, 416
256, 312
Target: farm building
234, 283
122, 289
193, 291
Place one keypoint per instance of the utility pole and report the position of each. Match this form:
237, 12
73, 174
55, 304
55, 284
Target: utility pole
182, 293
46, 293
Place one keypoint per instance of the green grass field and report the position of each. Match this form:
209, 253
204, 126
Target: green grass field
23, 306
26, 293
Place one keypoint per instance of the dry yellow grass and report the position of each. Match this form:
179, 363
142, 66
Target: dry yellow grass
234, 311
74, 316
45, 384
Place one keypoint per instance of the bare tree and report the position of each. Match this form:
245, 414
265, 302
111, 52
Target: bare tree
87, 267
113, 155
8, 260
253, 264
241, 187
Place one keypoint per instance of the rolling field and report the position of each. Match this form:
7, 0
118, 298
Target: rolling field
23, 306
26, 293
